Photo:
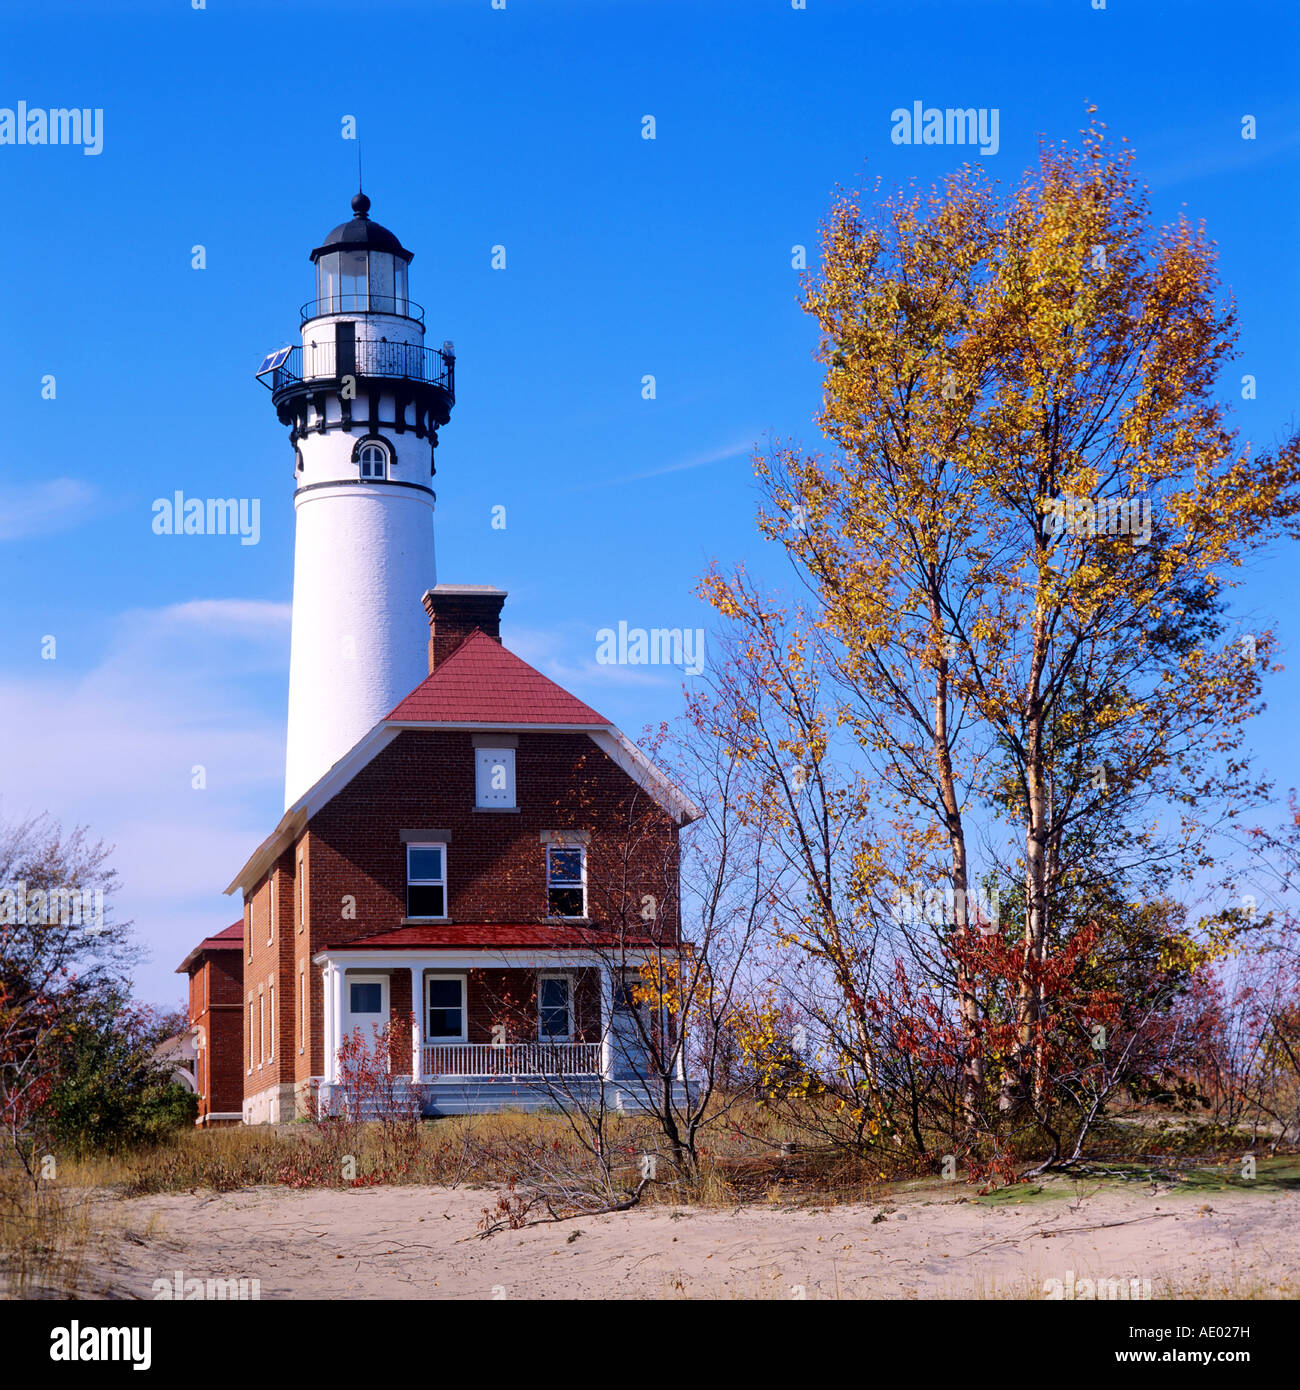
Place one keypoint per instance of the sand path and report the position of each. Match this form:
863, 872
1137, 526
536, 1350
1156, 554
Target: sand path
407, 1242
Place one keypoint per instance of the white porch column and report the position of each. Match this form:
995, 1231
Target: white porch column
606, 1023
327, 1023
335, 996
417, 1020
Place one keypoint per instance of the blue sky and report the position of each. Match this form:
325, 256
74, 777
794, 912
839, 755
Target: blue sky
480, 127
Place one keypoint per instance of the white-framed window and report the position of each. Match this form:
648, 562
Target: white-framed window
366, 997
426, 880
494, 779
566, 881
554, 1008
252, 1024
270, 908
270, 1029
302, 889
446, 1015
261, 1028
302, 1008
373, 459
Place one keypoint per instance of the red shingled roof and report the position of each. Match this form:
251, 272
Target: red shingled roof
486, 936
230, 939
481, 680
226, 940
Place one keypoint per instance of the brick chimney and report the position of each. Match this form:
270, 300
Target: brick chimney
456, 610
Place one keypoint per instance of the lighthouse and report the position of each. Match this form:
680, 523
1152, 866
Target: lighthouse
363, 398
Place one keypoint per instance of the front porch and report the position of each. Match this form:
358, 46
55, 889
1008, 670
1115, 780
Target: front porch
483, 1031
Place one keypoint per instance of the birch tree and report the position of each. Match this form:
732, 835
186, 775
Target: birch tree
1016, 554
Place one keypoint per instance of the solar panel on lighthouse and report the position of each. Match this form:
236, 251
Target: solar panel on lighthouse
272, 360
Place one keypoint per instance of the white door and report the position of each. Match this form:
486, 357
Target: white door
365, 1006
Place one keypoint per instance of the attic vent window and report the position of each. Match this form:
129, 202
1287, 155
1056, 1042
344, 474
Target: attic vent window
494, 779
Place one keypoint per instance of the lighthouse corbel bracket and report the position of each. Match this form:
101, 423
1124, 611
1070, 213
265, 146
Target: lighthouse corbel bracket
305, 412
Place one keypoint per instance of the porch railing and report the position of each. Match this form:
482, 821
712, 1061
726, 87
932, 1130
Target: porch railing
511, 1059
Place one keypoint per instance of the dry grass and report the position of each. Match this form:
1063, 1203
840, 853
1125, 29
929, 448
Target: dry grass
457, 1151
45, 1236
1237, 1288
741, 1161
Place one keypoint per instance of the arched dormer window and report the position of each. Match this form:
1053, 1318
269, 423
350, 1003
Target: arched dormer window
373, 459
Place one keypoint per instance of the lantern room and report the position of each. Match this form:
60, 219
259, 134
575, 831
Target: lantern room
361, 268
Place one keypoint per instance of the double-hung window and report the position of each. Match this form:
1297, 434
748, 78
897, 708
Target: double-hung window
566, 881
446, 1018
426, 880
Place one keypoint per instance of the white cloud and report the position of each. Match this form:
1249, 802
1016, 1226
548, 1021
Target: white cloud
699, 460
115, 749
55, 504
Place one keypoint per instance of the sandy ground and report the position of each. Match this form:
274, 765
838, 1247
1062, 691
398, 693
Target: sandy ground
403, 1242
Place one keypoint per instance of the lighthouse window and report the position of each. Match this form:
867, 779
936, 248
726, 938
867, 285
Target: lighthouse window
374, 461
353, 281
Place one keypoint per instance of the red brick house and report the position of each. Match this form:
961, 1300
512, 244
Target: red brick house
216, 973
478, 864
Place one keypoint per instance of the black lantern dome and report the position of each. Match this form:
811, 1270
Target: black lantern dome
359, 232
361, 268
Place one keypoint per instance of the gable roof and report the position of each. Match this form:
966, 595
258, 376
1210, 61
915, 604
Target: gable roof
229, 939
481, 680
480, 686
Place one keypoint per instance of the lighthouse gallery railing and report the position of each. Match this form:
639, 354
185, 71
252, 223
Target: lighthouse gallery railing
405, 361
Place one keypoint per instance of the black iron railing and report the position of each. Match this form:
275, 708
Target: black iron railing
405, 361
363, 303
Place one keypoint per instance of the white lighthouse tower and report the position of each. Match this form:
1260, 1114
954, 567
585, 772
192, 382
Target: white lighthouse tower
363, 399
